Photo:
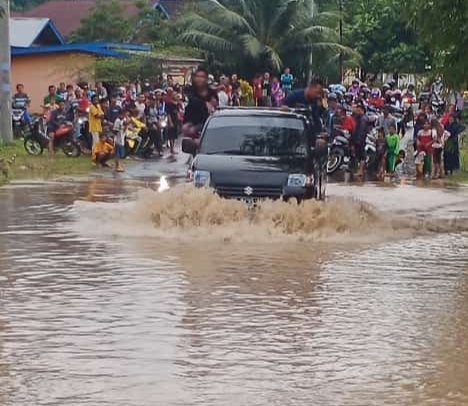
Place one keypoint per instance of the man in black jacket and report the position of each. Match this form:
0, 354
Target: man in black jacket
310, 97
198, 108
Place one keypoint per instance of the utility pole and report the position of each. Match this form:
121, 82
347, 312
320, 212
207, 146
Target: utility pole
341, 43
5, 73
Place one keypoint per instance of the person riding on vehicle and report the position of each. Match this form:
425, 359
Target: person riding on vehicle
21, 101
311, 96
363, 95
396, 99
348, 101
410, 93
341, 120
355, 87
376, 100
198, 109
136, 128
332, 102
58, 117
388, 97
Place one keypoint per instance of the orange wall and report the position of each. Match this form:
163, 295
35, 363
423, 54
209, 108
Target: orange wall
37, 72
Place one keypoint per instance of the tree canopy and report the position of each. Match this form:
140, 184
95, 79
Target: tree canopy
109, 22
383, 36
443, 25
253, 35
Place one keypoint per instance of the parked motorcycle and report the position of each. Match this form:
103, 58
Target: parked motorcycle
38, 140
371, 150
20, 126
340, 151
163, 123
85, 140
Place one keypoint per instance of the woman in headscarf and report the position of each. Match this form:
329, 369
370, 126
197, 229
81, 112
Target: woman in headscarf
451, 147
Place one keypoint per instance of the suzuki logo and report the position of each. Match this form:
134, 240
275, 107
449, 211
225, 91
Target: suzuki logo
248, 190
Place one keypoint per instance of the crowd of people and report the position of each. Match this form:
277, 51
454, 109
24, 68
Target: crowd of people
135, 109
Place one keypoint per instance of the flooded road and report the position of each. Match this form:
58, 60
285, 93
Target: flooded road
96, 309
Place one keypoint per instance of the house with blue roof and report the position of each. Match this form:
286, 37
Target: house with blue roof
41, 57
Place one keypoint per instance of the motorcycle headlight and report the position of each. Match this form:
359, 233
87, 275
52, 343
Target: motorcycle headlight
164, 124
202, 178
297, 180
81, 120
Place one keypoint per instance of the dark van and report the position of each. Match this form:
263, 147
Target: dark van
251, 154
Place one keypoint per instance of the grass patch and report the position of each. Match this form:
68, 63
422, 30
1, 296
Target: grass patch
26, 166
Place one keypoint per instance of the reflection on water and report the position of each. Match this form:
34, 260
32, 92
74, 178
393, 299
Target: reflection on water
145, 320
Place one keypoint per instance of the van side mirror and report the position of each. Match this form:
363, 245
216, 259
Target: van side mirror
189, 146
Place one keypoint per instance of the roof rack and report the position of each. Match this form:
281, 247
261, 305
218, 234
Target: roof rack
248, 108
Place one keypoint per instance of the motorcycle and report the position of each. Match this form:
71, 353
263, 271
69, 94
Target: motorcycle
38, 140
20, 126
371, 150
340, 151
85, 140
163, 123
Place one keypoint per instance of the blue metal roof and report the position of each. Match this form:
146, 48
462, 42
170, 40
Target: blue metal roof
97, 48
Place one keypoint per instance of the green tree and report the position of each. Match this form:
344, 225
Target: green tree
380, 33
107, 22
252, 35
443, 25
113, 70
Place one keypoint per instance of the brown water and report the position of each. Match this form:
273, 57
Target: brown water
121, 299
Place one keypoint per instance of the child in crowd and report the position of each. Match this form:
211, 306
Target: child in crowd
400, 162
381, 148
393, 145
437, 147
102, 151
419, 157
120, 130
426, 138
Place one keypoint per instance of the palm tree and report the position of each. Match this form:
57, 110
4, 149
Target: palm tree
263, 34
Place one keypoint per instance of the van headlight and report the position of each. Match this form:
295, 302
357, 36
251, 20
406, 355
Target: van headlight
297, 180
201, 178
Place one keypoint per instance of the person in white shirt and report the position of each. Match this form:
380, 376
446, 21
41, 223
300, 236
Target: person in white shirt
120, 131
140, 104
223, 98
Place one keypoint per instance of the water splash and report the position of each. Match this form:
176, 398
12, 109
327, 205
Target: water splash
188, 213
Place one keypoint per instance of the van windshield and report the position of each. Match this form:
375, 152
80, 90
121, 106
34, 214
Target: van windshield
254, 136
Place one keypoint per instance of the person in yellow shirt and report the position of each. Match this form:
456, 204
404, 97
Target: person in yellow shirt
135, 128
95, 119
102, 151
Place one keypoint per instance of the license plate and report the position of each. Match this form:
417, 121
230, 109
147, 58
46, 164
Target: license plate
250, 201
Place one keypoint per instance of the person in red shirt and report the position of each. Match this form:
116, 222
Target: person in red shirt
258, 90
343, 121
376, 100
450, 111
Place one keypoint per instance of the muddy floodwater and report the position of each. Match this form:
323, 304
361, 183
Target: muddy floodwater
136, 292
